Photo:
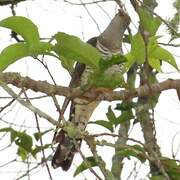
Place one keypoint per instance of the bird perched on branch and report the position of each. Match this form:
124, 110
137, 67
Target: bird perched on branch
108, 43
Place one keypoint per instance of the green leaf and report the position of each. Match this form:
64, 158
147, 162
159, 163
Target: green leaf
135, 151
125, 116
86, 164
138, 48
13, 53
67, 63
152, 44
157, 178
24, 27
130, 61
109, 62
110, 73
17, 51
24, 140
22, 153
38, 149
162, 54
125, 106
172, 168
149, 23
38, 135
155, 64
8, 129
111, 116
111, 78
13, 133
72, 48
105, 124
20, 138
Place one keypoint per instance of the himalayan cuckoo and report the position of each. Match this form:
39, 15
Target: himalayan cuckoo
108, 43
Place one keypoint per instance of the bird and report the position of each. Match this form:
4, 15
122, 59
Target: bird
108, 43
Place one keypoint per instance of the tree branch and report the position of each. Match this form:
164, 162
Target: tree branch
7, 2
94, 93
28, 104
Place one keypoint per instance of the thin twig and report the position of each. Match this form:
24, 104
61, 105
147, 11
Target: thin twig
47, 69
105, 12
117, 135
7, 163
20, 125
43, 153
174, 154
28, 104
94, 20
90, 168
159, 17
169, 44
86, 3
101, 164
31, 98
61, 114
25, 174
7, 105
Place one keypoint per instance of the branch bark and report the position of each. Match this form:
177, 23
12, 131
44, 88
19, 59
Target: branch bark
95, 93
145, 118
7, 2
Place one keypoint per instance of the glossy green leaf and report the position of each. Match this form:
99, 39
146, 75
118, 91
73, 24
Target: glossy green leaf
155, 64
24, 27
72, 48
105, 124
162, 54
155, 52
138, 48
17, 51
13, 53
86, 164
148, 22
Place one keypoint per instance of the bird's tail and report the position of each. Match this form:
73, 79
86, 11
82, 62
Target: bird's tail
80, 113
65, 151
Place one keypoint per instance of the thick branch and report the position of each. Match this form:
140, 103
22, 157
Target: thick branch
6, 2
95, 93
38, 86
144, 116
